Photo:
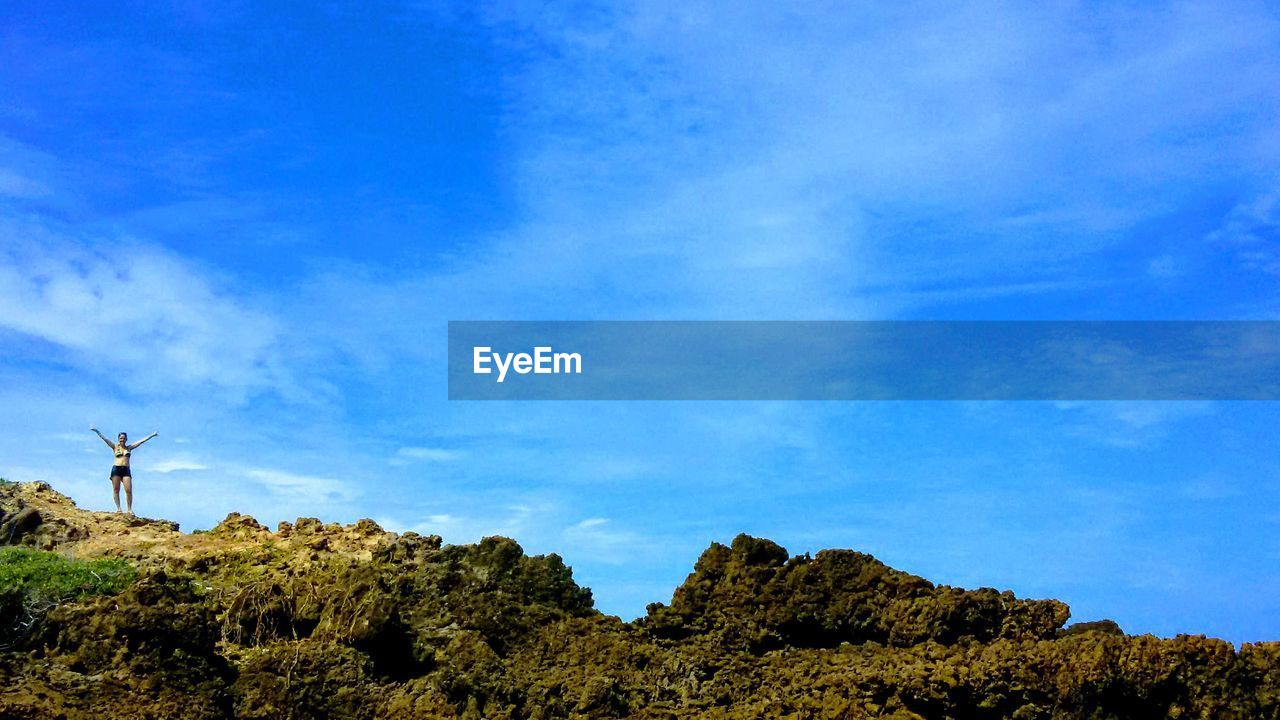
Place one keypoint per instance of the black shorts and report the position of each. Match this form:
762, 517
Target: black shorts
120, 471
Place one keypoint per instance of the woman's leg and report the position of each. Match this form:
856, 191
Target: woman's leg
128, 492
115, 490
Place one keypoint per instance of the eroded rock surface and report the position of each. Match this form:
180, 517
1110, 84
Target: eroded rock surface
319, 620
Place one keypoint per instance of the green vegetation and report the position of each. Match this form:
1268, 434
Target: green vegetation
42, 578
6, 482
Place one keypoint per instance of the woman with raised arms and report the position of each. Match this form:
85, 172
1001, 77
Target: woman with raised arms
120, 473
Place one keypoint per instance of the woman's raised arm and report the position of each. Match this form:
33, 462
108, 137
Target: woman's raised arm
104, 439
135, 445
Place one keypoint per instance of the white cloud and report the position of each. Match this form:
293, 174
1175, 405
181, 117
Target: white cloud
176, 464
1143, 415
595, 540
933, 155
1251, 230
292, 487
429, 454
136, 314
517, 521
1129, 424
928, 144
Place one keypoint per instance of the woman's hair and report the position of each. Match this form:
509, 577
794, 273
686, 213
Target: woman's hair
123, 435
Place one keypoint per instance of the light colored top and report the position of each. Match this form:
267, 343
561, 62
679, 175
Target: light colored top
122, 451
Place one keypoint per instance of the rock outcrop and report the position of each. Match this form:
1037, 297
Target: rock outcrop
319, 620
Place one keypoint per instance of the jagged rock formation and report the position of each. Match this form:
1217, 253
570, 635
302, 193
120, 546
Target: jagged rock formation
320, 620
754, 593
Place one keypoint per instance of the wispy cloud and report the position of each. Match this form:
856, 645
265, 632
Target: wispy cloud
598, 540
292, 487
408, 455
176, 464
135, 310
515, 521
1251, 230
1129, 424
927, 144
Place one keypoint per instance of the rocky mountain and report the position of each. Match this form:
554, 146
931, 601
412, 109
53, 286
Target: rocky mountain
105, 616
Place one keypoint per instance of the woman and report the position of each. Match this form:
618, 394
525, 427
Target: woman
120, 473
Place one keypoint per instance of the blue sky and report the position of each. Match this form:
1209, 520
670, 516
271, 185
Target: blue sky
246, 226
